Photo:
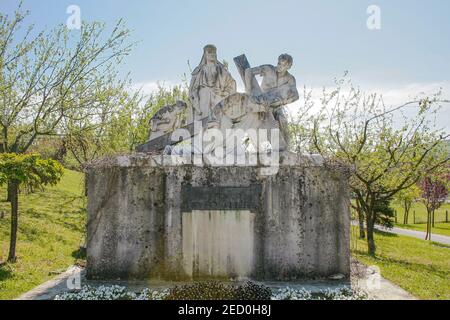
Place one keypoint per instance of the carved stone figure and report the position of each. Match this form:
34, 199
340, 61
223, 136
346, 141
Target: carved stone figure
261, 107
239, 113
278, 88
167, 119
214, 101
211, 82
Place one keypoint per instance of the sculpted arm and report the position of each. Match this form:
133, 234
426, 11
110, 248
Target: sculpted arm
228, 87
194, 96
292, 92
279, 96
251, 72
257, 70
231, 86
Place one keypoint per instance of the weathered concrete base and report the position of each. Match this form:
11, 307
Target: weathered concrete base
174, 222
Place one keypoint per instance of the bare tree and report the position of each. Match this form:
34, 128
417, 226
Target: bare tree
387, 150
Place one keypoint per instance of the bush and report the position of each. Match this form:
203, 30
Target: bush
252, 291
214, 290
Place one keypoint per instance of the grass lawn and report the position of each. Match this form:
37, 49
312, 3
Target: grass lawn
418, 266
439, 228
51, 229
421, 218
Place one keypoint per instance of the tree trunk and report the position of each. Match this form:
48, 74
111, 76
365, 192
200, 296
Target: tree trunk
370, 224
432, 219
429, 225
8, 192
85, 185
14, 221
428, 235
6, 149
406, 216
362, 234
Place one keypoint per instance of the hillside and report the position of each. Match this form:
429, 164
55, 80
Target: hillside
51, 229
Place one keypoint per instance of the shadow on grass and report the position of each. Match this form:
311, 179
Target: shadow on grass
423, 224
69, 225
31, 233
385, 233
441, 245
5, 271
413, 266
80, 253
31, 212
59, 218
80, 257
442, 228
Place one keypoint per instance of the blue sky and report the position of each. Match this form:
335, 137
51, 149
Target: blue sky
410, 52
324, 37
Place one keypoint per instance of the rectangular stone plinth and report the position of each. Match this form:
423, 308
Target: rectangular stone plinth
295, 224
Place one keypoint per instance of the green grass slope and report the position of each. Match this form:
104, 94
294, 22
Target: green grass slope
51, 229
418, 266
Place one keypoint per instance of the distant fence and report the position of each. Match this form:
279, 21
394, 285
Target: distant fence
418, 216
440, 216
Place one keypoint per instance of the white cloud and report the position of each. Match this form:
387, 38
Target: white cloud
150, 87
402, 94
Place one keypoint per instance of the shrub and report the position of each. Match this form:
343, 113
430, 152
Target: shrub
214, 290
252, 291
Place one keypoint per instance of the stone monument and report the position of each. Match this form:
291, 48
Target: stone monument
215, 193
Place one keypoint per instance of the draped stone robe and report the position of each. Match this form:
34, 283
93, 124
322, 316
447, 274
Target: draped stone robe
210, 84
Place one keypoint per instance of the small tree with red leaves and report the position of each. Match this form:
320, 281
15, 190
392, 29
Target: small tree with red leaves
434, 194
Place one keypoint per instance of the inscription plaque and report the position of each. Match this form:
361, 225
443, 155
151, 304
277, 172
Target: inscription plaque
220, 198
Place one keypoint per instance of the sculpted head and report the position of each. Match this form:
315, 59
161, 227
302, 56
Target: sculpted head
210, 52
180, 106
284, 63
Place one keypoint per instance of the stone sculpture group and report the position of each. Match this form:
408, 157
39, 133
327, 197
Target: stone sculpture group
214, 101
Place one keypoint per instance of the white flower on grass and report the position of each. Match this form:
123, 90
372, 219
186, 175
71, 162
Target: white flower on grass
116, 292
344, 293
113, 292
